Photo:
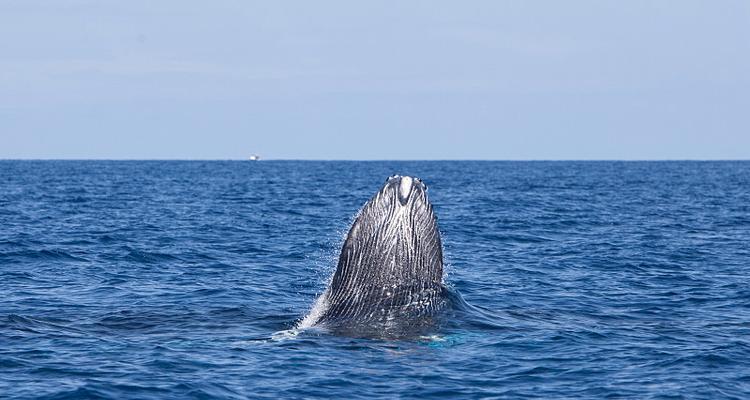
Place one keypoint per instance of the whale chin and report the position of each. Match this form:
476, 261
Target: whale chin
389, 275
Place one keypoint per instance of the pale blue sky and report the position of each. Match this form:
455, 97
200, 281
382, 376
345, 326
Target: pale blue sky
375, 79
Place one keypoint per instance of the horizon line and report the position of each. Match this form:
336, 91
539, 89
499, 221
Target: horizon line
394, 159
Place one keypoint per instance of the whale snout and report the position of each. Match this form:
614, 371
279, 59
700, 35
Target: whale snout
390, 271
404, 186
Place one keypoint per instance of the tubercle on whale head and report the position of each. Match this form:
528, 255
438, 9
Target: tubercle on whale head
404, 186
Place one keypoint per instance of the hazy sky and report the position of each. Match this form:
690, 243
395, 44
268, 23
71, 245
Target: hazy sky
375, 79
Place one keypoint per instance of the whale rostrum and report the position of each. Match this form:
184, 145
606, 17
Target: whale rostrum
390, 272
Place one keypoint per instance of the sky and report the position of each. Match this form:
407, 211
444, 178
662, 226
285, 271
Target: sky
498, 79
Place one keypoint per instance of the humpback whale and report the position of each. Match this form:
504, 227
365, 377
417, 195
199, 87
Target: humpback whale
389, 277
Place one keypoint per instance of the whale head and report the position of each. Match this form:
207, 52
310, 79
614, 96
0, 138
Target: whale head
391, 263
394, 240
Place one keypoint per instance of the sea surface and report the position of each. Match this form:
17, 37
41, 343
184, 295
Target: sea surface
186, 279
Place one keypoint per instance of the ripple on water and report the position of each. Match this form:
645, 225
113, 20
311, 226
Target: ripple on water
189, 280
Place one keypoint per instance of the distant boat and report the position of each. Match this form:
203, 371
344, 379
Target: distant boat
254, 157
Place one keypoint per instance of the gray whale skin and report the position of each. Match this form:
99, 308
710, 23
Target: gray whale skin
389, 277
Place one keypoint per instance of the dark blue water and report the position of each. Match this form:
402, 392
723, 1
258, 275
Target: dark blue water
186, 279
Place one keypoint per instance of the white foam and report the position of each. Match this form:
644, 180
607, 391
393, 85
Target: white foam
285, 335
318, 308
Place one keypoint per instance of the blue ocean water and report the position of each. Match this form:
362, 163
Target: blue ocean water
172, 279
